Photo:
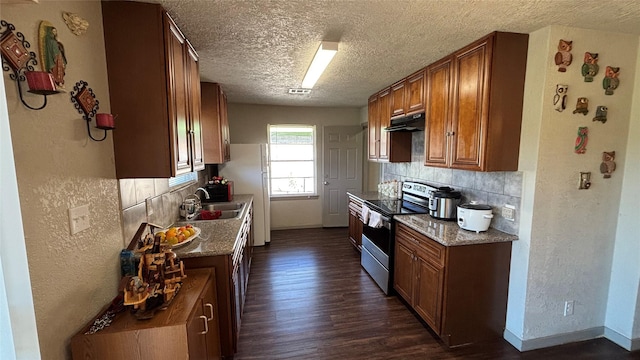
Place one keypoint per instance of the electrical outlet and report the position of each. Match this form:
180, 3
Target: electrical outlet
79, 219
509, 212
568, 307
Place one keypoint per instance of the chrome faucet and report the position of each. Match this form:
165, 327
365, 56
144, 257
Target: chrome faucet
206, 193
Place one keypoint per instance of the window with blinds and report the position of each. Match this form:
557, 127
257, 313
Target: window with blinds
292, 152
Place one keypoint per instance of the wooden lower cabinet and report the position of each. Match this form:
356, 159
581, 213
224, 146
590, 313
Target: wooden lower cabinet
187, 329
355, 222
459, 291
232, 276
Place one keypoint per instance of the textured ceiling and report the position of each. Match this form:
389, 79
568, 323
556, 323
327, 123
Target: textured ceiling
259, 49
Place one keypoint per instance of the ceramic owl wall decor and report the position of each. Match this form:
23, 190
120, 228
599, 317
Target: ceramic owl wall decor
560, 98
582, 139
563, 56
608, 164
601, 114
610, 81
582, 106
590, 67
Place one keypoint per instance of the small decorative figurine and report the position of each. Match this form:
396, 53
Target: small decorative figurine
601, 114
582, 106
582, 139
590, 67
611, 81
563, 56
75, 23
52, 57
560, 98
608, 164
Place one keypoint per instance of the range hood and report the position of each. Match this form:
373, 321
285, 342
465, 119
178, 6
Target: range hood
413, 122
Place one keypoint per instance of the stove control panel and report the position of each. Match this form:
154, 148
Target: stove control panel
418, 189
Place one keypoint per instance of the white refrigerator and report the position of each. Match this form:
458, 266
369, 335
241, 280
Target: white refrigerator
249, 171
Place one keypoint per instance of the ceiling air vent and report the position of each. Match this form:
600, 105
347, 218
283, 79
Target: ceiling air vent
300, 91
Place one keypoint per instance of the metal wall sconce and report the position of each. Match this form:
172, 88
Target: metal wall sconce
20, 62
86, 103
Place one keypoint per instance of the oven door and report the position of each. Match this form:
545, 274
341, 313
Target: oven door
376, 251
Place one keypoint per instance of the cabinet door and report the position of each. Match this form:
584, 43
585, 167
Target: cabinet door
224, 123
195, 122
210, 303
384, 116
437, 113
178, 96
398, 98
470, 105
428, 293
415, 96
403, 279
353, 221
374, 128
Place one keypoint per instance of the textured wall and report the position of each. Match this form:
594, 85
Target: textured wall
248, 125
623, 308
569, 233
58, 167
494, 188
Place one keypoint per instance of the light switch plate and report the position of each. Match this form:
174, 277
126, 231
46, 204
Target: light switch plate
79, 219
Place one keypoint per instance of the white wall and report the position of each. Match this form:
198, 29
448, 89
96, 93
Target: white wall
567, 235
58, 167
625, 273
248, 125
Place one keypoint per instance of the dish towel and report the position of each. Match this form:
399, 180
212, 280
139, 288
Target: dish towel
365, 214
375, 220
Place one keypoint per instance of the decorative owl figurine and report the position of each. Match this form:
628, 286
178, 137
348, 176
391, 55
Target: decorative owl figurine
582, 106
610, 81
608, 164
590, 67
601, 114
560, 98
582, 139
563, 56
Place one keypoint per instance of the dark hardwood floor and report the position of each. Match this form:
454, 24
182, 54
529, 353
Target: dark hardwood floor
308, 298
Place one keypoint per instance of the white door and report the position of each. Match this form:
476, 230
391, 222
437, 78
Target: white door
342, 171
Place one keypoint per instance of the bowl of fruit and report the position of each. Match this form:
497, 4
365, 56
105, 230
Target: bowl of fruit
178, 236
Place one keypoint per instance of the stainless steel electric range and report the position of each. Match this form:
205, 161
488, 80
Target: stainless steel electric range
378, 242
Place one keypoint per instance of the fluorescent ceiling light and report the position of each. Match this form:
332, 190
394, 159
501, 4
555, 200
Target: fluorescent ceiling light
323, 57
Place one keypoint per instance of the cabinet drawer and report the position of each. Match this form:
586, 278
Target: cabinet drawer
431, 250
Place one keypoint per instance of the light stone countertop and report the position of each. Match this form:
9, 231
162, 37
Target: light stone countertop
217, 237
448, 233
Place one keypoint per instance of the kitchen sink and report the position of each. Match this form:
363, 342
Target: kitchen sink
223, 206
225, 214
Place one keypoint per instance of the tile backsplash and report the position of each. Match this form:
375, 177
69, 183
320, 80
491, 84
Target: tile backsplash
493, 188
164, 202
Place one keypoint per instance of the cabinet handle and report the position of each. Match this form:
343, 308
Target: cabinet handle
191, 132
206, 325
210, 311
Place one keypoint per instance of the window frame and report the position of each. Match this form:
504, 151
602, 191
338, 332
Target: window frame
314, 160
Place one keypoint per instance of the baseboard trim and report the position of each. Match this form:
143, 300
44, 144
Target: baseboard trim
621, 340
548, 341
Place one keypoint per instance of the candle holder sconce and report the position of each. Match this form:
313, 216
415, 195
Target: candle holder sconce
87, 105
20, 62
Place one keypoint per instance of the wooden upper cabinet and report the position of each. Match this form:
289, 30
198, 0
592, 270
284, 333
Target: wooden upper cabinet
373, 127
408, 95
385, 146
398, 98
195, 109
437, 113
215, 124
477, 124
151, 75
415, 93
384, 109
